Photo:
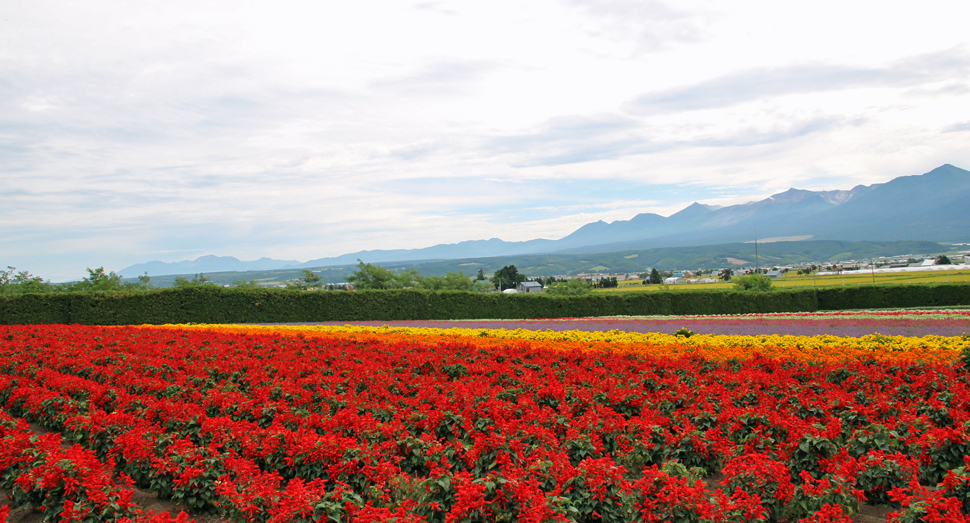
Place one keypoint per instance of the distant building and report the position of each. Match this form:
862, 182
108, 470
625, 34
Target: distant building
529, 286
774, 273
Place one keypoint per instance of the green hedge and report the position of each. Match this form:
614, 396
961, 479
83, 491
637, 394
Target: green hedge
893, 296
219, 305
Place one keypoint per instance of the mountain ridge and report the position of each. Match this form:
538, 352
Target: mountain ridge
926, 207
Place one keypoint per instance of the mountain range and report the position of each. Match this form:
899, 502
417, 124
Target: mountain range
929, 207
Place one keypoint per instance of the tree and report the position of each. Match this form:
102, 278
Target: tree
607, 283
13, 282
367, 276
725, 274
199, 280
431, 283
655, 277
144, 282
752, 282
99, 281
573, 287
507, 277
308, 280
482, 286
456, 281
481, 275
943, 260
451, 281
243, 284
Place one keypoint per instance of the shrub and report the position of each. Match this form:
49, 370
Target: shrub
752, 282
882, 472
573, 287
826, 493
212, 304
685, 332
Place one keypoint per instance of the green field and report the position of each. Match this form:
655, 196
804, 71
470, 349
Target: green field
850, 278
627, 261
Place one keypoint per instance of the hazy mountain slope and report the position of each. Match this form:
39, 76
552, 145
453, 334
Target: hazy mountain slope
631, 261
930, 207
208, 263
927, 207
623, 230
667, 258
472, 248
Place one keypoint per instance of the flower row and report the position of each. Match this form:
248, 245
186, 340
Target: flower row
718, 347
66, 484
349, 425
845, 324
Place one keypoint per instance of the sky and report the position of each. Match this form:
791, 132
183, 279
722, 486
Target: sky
167, 130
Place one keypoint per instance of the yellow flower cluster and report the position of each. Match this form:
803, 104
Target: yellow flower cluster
937, 349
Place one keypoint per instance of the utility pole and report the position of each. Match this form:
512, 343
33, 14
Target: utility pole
872, 267
757, 265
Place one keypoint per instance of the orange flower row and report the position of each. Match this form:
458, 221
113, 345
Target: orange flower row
929, 349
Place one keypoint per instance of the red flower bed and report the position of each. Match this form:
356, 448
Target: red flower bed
273, 428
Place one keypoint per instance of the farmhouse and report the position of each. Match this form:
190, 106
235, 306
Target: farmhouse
529, 286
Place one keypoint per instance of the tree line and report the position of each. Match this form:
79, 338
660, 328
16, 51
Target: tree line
365, 276
13, 282
375, 277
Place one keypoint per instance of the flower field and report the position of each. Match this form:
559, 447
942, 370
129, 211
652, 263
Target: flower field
844, 324
476, 423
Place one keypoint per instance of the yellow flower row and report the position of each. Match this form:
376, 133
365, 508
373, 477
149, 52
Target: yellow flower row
938, 349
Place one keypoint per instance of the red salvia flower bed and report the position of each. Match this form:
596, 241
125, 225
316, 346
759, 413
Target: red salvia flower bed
274, 428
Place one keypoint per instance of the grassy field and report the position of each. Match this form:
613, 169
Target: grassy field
792, 280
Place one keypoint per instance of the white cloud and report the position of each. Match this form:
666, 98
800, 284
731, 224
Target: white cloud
303, 130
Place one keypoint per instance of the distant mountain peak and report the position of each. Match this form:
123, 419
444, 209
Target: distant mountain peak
929, 207
709, 207
693, 211
840, 197
943, 172
792, 196
203, 264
